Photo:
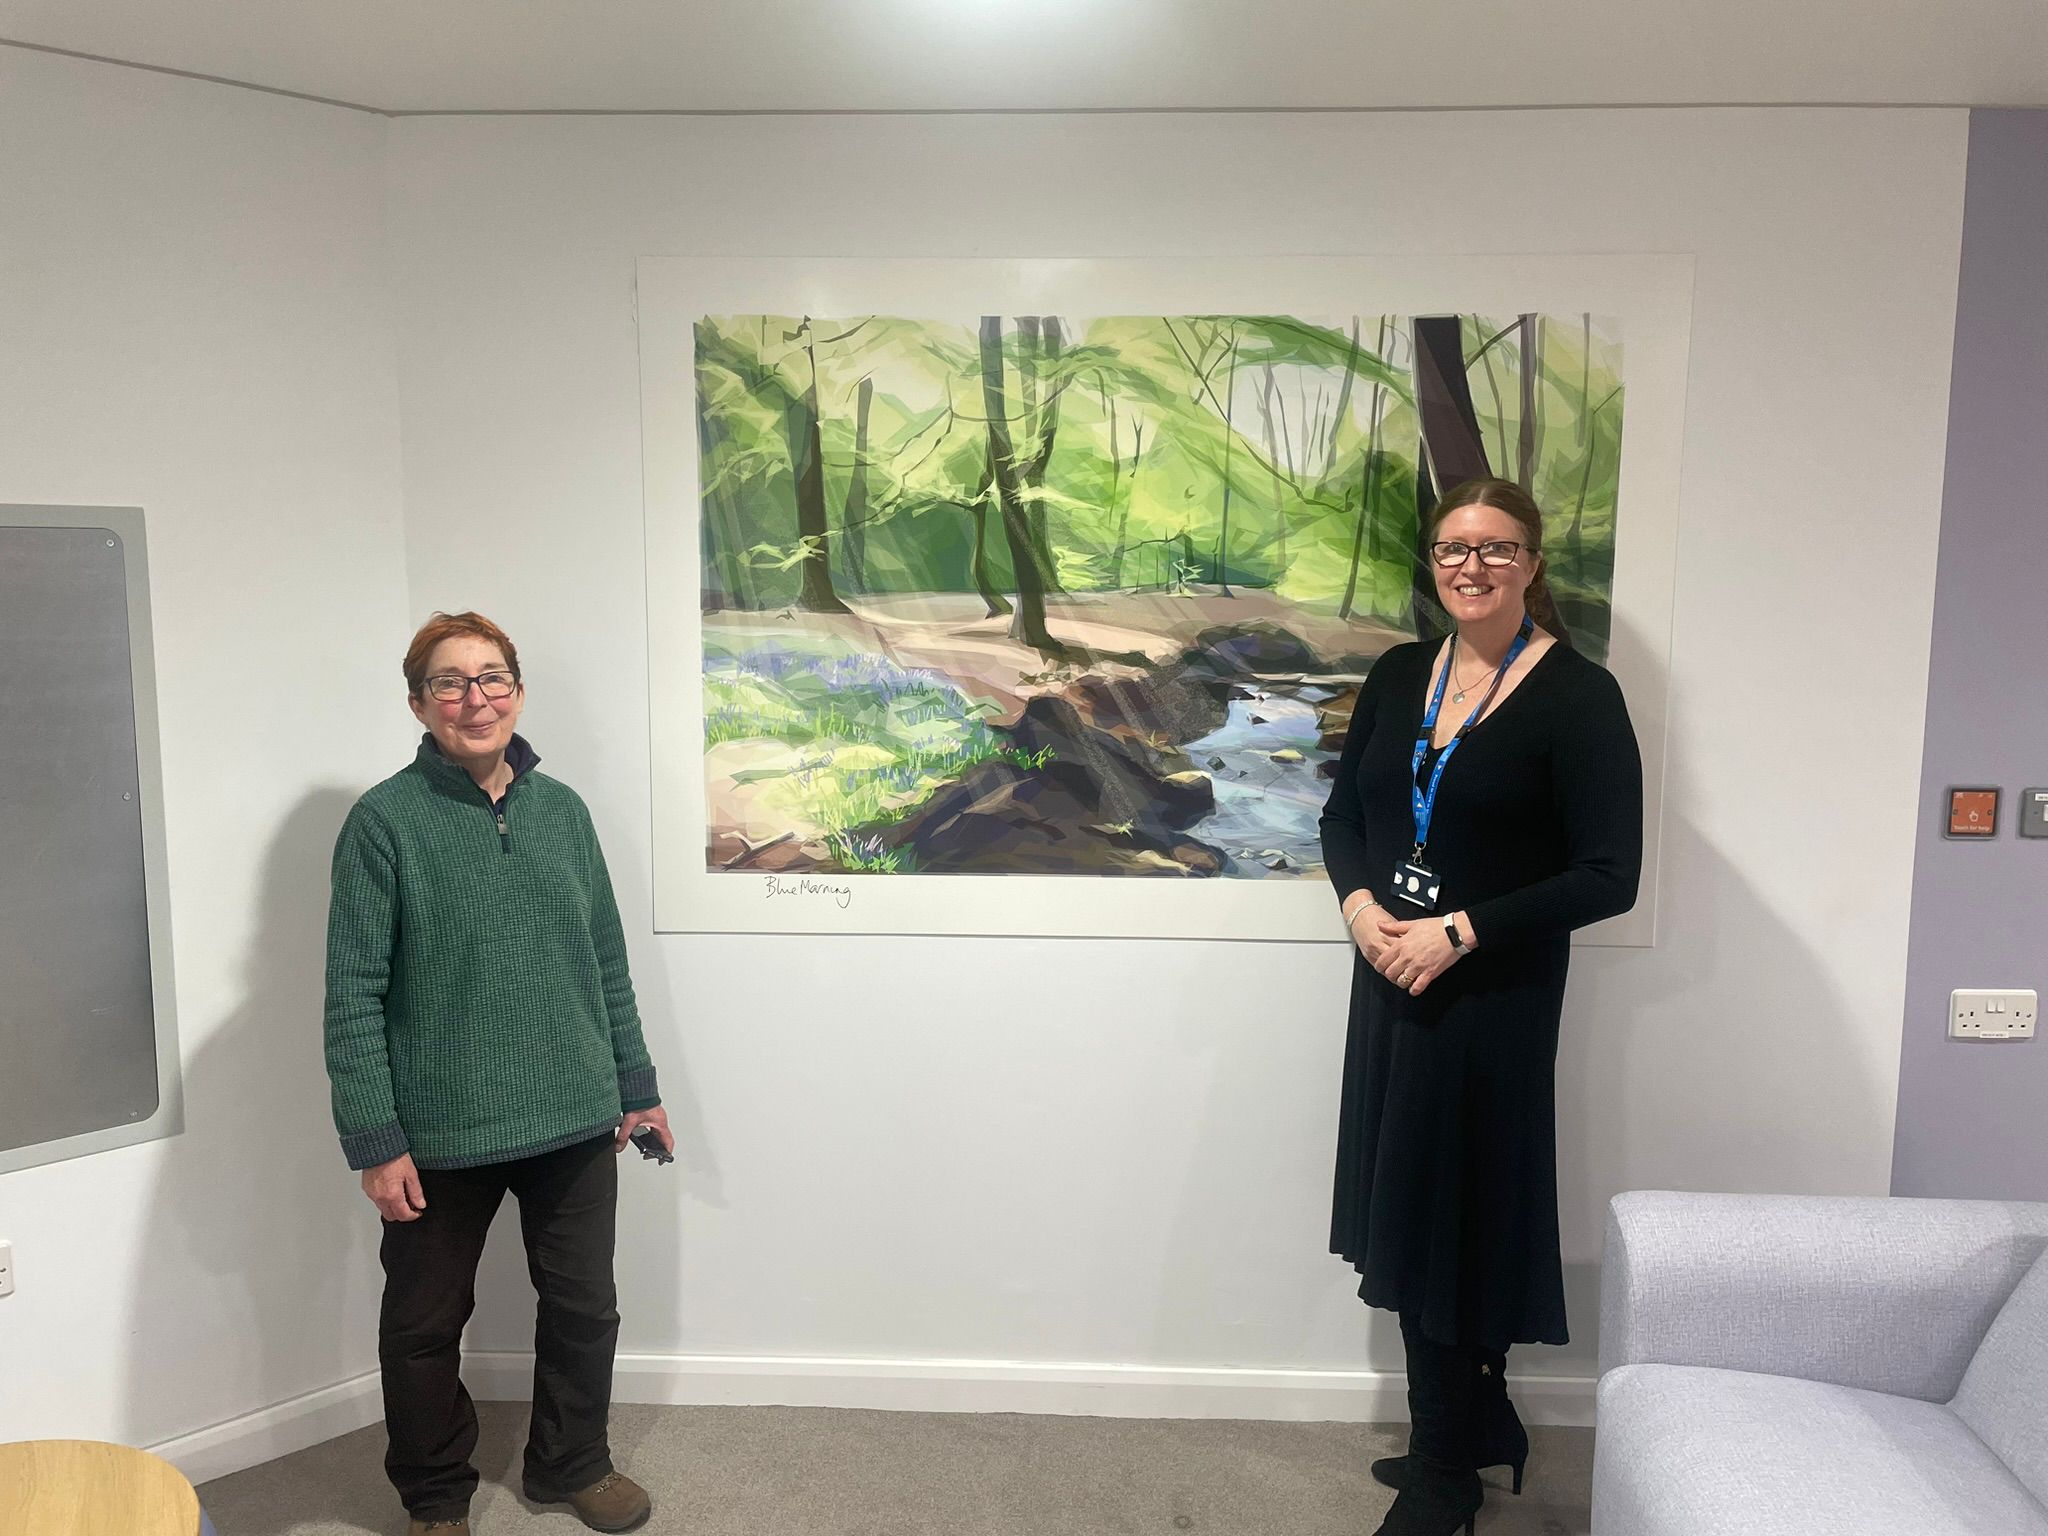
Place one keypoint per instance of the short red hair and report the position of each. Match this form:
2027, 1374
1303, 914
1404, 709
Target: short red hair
450, 626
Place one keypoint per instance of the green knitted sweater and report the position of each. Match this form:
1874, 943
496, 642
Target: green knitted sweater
478, 1003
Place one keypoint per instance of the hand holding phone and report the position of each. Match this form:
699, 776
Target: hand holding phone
648, 1140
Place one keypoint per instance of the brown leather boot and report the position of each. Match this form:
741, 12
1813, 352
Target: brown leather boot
438, 1527
613, 1503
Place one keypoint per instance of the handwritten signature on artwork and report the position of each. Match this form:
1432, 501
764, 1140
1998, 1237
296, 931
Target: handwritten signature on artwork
805, 886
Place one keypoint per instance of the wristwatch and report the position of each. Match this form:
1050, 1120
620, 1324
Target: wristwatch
1451, 928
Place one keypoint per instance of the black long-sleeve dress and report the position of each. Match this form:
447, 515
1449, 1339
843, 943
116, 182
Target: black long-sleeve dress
1446, 1189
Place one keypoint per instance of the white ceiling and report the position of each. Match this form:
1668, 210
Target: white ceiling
894, 55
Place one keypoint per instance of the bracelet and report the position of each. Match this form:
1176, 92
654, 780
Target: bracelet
1364, 906
1458, 944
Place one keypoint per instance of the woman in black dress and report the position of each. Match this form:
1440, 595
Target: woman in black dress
1461, 904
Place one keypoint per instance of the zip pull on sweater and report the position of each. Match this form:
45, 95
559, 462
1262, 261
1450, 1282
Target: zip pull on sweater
519, 757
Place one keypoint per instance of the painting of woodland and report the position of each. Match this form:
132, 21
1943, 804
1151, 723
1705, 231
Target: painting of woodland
1048, 595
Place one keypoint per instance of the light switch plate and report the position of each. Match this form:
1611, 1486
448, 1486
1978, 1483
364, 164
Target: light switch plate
2034, 813
1977, 1013
6, 1269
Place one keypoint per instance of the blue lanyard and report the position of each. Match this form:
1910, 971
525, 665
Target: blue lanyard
1425, 801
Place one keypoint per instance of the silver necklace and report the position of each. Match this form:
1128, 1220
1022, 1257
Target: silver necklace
1458, 697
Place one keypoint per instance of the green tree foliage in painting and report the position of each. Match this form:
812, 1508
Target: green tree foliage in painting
1034, 459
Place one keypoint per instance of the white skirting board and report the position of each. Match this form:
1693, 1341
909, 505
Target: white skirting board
925, 1386
276, 1431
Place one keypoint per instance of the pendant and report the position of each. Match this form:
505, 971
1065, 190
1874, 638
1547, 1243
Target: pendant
1457, 698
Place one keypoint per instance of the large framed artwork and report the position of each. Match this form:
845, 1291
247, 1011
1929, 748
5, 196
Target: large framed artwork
1031, 597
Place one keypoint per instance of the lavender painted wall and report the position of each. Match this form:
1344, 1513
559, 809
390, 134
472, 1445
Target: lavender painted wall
1973, 1116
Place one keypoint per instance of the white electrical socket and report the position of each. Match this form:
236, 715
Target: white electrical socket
1975, 1013
6, 1269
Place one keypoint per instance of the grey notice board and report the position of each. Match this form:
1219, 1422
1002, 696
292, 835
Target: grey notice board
88, 1034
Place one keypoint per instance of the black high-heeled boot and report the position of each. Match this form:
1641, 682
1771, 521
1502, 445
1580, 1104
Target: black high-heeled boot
1440, 1494
1498, 1438
1436, 1501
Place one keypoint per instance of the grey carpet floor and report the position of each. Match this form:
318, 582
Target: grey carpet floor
853, 1472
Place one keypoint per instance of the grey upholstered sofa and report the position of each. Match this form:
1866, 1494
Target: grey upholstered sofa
1822, 1367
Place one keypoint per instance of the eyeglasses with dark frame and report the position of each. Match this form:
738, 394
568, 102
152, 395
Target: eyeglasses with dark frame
1450, 553
453, 687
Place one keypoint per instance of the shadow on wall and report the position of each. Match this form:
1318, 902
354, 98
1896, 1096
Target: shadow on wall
1726, 1058
1665, 1077
652, 1197
1285, 1231
257, 1199
1736, 1064
626, 851
1246, 1277
260, 1202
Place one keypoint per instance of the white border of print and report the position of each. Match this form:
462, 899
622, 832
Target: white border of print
1651, 297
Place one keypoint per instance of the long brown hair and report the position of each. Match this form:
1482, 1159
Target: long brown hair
1506, 496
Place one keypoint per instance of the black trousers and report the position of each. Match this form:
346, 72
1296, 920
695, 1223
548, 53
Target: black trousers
568, 1209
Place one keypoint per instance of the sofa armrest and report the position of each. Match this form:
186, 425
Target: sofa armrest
1888, 1295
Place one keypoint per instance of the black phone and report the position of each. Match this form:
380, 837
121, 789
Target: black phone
648, 1140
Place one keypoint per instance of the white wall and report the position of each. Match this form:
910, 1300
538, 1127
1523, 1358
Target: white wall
194, 320
1119, 1153
909, 1150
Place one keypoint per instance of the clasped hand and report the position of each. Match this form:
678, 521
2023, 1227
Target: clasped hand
1409, 954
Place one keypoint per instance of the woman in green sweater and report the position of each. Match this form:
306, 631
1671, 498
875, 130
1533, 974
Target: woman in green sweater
482, 1038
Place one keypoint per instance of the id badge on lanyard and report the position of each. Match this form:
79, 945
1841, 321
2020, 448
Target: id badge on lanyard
1414, 884
1418, 885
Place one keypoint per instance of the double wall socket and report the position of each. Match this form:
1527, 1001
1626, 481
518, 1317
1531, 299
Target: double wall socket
1977, 1014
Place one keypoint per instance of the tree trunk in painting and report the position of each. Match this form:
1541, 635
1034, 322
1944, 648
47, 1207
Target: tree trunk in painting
1229, 437
1028, 621
728, 580
1025, 436
1041, 342
1573, 540
807, 466
853, 520
1484, 357
1443, 403
1116, 462
991, 599
1424, 610
1369, 477
1116, 447
1431, 478
1365, 480
1123, 512
1337, 417
1266, 392
1525, 466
